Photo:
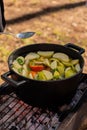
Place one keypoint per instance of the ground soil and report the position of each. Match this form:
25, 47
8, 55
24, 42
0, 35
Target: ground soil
54, 21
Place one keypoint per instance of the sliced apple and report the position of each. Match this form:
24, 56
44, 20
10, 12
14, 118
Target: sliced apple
47, 74
32, 56
69, 72
61, 56
45, 53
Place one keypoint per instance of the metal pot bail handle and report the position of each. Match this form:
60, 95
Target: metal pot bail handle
80, 50
9, 80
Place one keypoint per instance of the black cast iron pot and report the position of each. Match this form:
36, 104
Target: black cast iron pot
44, 92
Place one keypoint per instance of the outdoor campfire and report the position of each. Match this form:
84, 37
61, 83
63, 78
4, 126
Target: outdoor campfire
48, 89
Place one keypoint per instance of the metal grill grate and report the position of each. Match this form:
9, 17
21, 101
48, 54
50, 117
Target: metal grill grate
16, 115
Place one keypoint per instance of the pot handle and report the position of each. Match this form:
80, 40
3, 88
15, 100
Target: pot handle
75, 47
9, 80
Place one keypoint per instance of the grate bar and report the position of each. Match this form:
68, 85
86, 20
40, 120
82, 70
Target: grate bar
33, 121
48, 123
12, 114
17, 117
23, 115
8, 110
23, 120
41, 122
16, 112
29, 117
5, 100
4, 106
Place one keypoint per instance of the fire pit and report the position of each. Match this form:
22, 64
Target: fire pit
17, 115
